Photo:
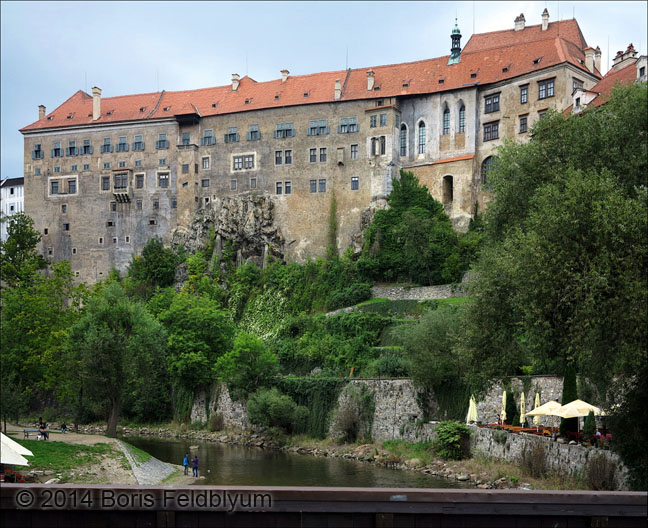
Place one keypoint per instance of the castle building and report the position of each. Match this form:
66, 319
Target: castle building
104, 174
11, 202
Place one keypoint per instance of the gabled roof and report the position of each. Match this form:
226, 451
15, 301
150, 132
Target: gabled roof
487, 58
12, 182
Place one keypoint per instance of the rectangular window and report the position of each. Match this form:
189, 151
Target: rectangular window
248, 162
382, 145
541, 113
546, 88
86, 166
233, 185
322, 185
66, 227
139, 181
383, 120
138, 144
37, 153
523, 124
208, 138
139, 205
113, 206
254, 134
106, 165
121, 181
279, 188
205, 182
354, 183
232, 135
284, 130
524, 94
162, 142
72, 186
186, 138
446, 122
577, 84
323, 154
64, 208
106, 147
105, 183
372, 121
348, 125
163, 180
492, 103
74, 168
253, 183
354, 152
278, 157
72, 148
491, 131
156, 204
205, 163
122, 164
462, 120
100, 241
57, 152
87, 147
288, 157
238, 162
162, 161
138, 163
57, 170
127, 239
317, 127
313, 155
185, 168
313, 186
174, 205
37, 171
54, 189
122, 146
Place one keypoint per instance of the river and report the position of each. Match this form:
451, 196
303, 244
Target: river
224, 464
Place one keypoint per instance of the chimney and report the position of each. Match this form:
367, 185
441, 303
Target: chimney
589, 58
338, 89
545, 19
519, 22
624, 59
41, 111
597, 58
284, 75
96, 103
235, 81
370, 80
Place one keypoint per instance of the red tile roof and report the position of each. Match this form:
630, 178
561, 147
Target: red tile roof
492, 57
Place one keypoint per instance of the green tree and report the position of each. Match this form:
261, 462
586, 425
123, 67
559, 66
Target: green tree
569, 394
115, 344
589, 427
199, 333
19, 259
248, 366
156, 265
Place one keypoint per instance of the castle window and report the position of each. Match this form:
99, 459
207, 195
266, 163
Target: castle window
446, 121
122, 146
174, 205
86, 166
421, 138
106, 165
208, 138
45, 231
101, 241
204, 182
139, 205
163, 180
56, 151
121, 181
313, 155
524, 94
284, 130
577, 84
152, 221
57, 170
348, 125
248, 162
546, 89
313, 186
37, 171
114, 239
354, 183
162, 142
523, 124
373, 121
113, 206
486, 166
317, 128
72, 186
287, 187
354, 152
74, 168
186, 138
110, 223
122, 164
105, 183
156, 204
382, 145
323, 154
54, 187
383, 120
72, 149
87, 147
447, 189
288, 157
63, 208
37, 153
232, 135
138, 163
162, 161
279, 188
253, 183
106, 147
322, 185
139, 181
74, 252
278, 157
138, 145
128, 240
491, 131
462, 119
403, 140
254, 134
492, 103
205, 163
185, 168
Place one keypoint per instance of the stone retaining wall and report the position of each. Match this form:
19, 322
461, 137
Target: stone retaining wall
394, 293
233, 412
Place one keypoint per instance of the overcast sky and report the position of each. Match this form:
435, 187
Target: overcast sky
52, 49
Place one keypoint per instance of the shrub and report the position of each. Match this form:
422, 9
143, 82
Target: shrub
389, 365
357, 292
270, 408
500, 437
569, 394
601, 473
534, 460
589, 428
452, 440
216, 422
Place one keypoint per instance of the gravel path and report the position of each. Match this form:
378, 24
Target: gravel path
149, 473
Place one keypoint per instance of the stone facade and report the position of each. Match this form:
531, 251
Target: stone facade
233, 412
422, 293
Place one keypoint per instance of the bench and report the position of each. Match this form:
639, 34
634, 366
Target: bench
31, 432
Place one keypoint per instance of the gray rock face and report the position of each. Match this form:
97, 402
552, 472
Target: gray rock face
246, 220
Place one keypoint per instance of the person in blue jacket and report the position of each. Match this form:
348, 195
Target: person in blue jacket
185, 463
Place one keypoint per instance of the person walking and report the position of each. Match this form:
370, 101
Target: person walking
64, 428
195, 466
185, 463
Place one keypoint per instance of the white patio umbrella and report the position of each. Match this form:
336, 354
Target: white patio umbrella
503, 413
472, 411
522, 409
536, 419
578, 408
11, 452
21, 450
548, 409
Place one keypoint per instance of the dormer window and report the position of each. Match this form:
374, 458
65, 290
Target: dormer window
306, 94
142, 108
214, 105
473, 75
166, 108
248, 101
110, 112
277, 97
405, 84
537, 61
50, 118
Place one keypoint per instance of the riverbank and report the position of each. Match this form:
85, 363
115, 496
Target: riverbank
399, 455
93, 458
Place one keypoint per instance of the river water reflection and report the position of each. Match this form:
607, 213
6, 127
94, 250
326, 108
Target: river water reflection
224, 464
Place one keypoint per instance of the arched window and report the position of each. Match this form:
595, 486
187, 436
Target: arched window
403, 140
421, 138
446, 121
486, 166
462, 118
447, 189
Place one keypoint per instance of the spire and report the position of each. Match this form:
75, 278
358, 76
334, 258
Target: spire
455, 51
